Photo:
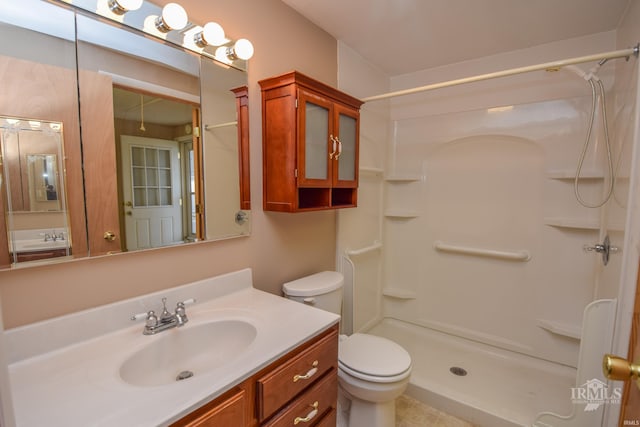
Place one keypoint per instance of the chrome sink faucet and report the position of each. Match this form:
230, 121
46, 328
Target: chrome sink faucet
167, 320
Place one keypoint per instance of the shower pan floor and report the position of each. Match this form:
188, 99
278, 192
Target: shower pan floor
500, 388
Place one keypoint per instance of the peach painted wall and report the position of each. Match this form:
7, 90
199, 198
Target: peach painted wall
281, 246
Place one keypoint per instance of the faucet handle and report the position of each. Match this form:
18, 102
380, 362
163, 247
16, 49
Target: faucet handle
187, 301
181, 313
150, 316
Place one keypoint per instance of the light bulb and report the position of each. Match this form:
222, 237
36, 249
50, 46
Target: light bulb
120, 7
243, 49
173, 17
211, 34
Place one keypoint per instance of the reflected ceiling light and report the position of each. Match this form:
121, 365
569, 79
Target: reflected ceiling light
242, 49
120, 7
13, 121
55, 126
211, 34
173, 17
500, 109
35, 124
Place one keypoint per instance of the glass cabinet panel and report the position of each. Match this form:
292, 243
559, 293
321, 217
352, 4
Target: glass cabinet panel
316, 140
347, 159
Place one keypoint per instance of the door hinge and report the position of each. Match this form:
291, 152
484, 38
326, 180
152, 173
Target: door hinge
198, 208
295, 173
196, 131
296, 102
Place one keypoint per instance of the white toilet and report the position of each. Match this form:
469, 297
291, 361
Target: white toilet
373, 371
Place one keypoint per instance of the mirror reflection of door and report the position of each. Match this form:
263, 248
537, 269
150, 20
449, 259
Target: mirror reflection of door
157, 176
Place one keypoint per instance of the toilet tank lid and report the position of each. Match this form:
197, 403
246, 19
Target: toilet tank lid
315, 284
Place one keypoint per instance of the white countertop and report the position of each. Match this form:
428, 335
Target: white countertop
78, 383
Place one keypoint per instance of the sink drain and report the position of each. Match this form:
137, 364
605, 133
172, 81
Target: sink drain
456, 370
184, 375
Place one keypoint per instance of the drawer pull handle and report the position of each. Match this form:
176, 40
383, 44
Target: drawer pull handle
309, 374
309, 416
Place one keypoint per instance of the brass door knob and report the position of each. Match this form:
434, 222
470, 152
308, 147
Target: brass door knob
618, 369
109, 236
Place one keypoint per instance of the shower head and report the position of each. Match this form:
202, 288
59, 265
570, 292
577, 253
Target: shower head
590, 75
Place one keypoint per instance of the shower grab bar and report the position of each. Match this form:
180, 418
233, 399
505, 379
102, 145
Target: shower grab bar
374, 247
522, 256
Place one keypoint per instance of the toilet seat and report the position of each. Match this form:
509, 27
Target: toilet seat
390, 363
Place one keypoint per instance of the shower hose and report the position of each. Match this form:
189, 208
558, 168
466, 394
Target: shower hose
594, 103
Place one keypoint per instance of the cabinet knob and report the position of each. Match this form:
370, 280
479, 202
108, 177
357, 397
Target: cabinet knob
109, 236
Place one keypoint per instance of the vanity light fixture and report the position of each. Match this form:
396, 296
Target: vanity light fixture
120, 7
211, 34
242, 49
35, 124
173, 17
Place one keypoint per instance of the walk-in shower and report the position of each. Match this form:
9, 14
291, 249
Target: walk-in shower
477, 263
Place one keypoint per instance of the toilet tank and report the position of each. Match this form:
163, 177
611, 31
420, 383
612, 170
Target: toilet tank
321, 290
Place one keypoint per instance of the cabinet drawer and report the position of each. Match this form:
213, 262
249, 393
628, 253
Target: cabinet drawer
309, 409
329, 420
283, 383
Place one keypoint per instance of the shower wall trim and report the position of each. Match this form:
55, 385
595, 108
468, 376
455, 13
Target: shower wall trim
623, 53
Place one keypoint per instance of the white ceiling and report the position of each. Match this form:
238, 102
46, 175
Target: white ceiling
403, 36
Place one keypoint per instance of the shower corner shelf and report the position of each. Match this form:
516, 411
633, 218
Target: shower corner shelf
371, 171
398, 293
580, 224
566, 174
562, 329
401, 214
403, 178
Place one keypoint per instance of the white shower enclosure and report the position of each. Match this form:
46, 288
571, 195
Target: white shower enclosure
469, 246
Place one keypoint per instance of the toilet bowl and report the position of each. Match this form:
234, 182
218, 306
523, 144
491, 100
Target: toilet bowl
372, 371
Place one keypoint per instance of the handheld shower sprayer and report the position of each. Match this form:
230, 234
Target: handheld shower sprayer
597, 92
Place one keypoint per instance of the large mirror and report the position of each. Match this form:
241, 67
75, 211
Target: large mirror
158, 131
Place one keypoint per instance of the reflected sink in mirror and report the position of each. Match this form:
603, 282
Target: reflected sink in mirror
196, 349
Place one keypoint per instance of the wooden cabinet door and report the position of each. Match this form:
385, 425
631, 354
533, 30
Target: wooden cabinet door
315, 134
345, 167
226, 411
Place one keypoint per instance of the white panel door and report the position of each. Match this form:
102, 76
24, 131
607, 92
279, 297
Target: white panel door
151, 192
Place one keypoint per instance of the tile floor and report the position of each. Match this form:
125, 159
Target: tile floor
413, 413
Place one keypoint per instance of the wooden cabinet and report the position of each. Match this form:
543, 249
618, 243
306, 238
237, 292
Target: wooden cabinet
300, 388
227, 410
38, 255
310, 143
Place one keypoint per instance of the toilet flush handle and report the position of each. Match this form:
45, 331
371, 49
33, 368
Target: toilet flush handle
309, 301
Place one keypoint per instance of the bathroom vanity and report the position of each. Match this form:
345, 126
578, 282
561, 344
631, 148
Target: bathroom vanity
254, 359
300, 387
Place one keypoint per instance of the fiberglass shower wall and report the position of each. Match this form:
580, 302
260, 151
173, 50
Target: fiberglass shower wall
488, 167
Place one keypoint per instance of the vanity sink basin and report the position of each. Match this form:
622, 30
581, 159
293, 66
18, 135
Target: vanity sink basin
34, 245
180, 353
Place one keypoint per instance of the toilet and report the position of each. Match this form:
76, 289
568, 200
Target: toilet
372, 371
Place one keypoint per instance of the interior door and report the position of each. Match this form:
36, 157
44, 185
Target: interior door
151, 192
630, 413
